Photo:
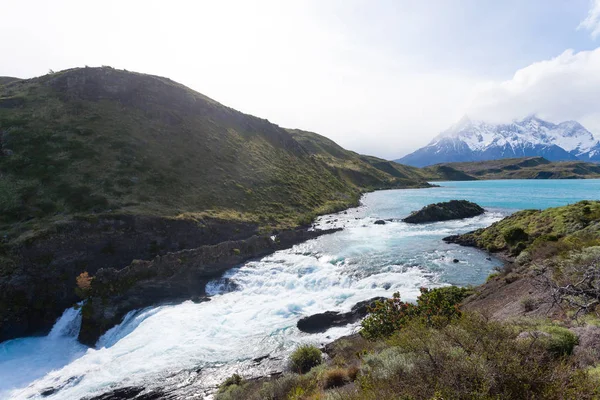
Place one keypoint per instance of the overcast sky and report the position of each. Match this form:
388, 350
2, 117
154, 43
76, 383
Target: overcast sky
379, 77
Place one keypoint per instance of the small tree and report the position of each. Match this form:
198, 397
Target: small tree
84, 284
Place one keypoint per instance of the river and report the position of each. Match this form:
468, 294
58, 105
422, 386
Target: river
189, 348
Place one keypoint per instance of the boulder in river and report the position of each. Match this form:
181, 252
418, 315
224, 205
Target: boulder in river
379, 222
449, 210
323, 321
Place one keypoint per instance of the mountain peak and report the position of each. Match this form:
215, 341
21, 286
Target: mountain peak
464, 123
469, 140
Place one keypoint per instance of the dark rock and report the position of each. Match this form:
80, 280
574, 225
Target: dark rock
43, 283
132, 392
379, 222
261, 358
454, 209
489, 258
466, 240
323, 321
173, 277
455, 261
49, 391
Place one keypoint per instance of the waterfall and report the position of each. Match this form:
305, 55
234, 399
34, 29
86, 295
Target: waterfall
67, 325
26, 359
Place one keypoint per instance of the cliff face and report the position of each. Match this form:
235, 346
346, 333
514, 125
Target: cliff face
172, 277
40, 283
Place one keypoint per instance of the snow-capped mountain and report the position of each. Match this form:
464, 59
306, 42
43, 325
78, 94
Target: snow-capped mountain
478, 141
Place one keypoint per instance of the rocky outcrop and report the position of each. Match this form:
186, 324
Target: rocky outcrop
172, 277
449, 210
323, 321
39, 281
466, 240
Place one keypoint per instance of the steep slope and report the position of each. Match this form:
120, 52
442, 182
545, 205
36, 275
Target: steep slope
513, 168
477, 141
365, 171
99, 167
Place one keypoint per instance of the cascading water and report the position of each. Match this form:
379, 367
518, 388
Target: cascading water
189, 348
36, 356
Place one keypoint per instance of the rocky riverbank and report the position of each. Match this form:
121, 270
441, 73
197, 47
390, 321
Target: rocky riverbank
172, 277
37, 274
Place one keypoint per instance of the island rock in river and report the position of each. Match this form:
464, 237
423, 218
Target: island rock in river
453, 209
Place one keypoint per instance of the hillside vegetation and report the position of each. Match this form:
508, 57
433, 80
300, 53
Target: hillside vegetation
97, 140
512, 168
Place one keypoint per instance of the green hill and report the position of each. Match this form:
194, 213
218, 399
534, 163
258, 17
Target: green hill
98, 140
99, 167
512, 168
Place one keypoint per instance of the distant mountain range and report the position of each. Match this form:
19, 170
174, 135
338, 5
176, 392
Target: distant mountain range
470, 140
512, 168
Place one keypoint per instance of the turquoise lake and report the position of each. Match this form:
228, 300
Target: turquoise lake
190, 347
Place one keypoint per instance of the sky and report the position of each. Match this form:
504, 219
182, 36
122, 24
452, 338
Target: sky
380, 77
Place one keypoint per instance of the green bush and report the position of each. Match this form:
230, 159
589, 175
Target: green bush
529, 304
561, 341
434, 307
234, 379
514, 235
304, 358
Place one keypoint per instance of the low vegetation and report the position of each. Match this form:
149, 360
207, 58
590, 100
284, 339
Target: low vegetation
540, 234
460, 355
433, 307
437, 349
304, 358
70, 144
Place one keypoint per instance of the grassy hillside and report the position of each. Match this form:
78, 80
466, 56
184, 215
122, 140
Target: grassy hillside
574, 225
513, 168
355, 169
98, 140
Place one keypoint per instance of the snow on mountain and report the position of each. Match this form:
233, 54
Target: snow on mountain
470, 140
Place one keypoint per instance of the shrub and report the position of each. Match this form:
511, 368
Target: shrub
529, 304
561, 341
514, 235
234, 379
434, 307
304, 358
518, 248
353, 373
335, 378
492, 276
84, 284
386, 364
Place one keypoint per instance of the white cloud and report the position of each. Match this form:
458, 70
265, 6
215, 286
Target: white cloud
562, 88
592, 21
